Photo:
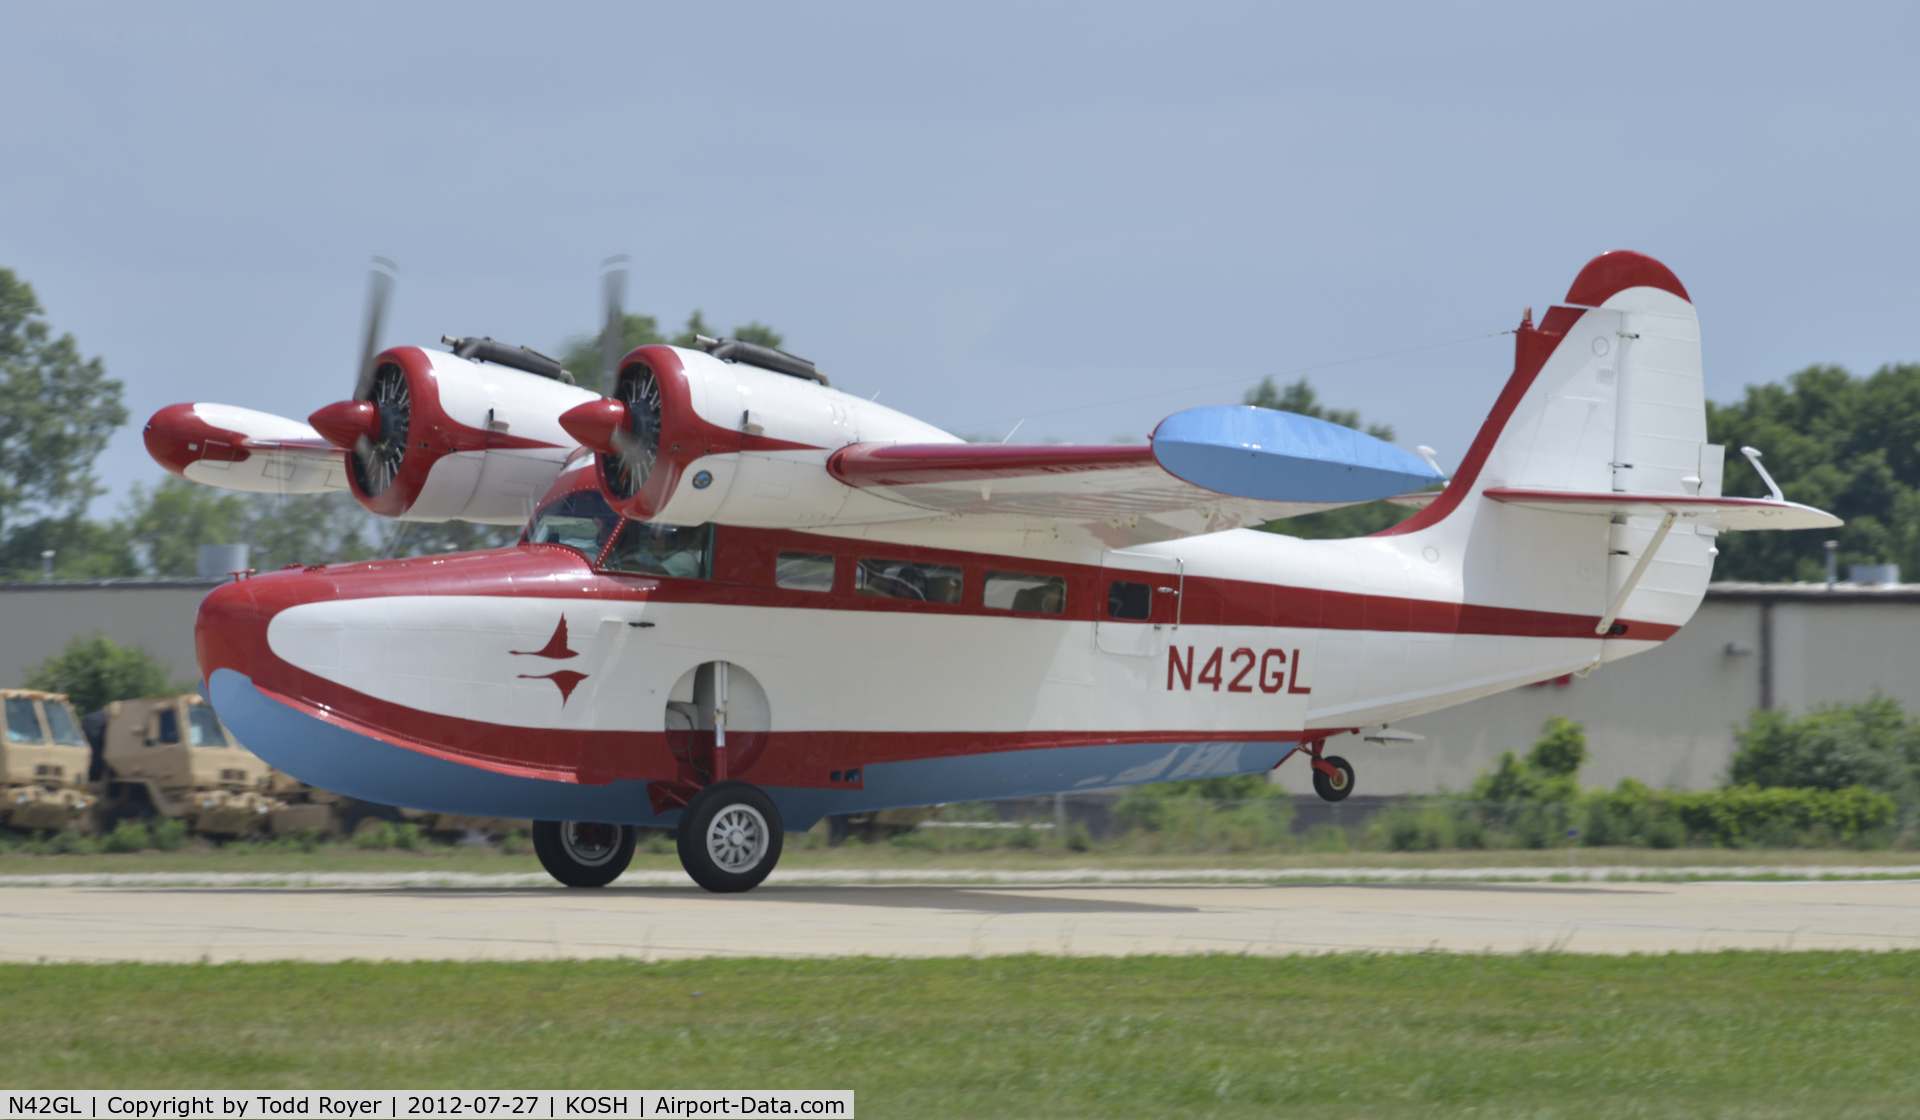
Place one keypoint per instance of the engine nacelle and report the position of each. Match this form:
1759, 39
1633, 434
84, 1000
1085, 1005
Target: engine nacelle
443, 438
688, 438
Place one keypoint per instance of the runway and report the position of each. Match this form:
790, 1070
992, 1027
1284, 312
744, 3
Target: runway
654, 922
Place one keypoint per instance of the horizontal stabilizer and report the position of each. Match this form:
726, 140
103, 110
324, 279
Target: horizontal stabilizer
234, 448
1717, 513
1274, 456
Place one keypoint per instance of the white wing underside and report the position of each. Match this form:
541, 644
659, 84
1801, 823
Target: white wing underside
1119, 507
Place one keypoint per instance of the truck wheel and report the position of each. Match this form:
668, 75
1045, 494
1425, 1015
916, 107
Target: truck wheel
730, 836
583, 854
367, 815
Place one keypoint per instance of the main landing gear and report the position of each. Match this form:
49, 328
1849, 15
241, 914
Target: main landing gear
729, 837
1332, 775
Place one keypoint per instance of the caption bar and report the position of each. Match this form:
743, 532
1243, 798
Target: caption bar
357, 1104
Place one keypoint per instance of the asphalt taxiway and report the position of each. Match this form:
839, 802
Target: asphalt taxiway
333, 918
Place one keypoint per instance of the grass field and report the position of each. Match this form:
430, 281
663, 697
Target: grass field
275, 860
1718, 1035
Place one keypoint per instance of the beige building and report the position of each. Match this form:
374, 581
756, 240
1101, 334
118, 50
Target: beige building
39, 619
1664, 717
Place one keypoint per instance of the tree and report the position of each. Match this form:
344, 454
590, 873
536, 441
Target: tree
96, 671
1300, 398
56, 410
580, 355
1334, 524
1845, 444
1871, 744
171, 521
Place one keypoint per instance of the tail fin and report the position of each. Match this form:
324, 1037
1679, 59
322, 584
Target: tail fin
1592, 488
1605, 396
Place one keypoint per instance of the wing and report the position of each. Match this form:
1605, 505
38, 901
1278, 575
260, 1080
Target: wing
240, 449
1118, 494
1717, 513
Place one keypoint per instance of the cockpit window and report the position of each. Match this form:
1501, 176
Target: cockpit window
663, 550
582, 521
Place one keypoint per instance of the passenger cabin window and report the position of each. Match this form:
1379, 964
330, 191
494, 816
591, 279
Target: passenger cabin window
663, 550
582, 521
60, 722
1016, 591
1130, 602
203, 725
22, 725
168, 730
908, 579
804, 571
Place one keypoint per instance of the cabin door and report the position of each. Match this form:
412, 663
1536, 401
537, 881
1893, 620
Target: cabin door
1138, 603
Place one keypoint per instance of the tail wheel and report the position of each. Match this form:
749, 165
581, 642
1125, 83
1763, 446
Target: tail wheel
1337, 785
584, 854
729, 837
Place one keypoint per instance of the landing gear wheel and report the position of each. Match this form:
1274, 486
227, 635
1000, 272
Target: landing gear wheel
583, 854
729, 837
1335, 786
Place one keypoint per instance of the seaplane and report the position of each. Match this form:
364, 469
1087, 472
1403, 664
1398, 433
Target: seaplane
744, 599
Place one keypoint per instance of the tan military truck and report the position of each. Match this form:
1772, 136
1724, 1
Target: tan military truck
43, 764
170, 756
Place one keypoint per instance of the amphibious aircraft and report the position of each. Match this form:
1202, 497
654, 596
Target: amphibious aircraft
744, 599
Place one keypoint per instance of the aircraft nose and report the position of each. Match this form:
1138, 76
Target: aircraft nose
231, 631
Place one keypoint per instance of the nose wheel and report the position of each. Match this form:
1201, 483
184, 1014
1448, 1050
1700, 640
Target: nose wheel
729, 837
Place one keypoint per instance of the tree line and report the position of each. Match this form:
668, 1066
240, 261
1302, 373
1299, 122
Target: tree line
1834, 440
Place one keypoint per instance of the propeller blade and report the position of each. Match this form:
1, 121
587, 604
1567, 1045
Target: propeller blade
613, 337
379, 293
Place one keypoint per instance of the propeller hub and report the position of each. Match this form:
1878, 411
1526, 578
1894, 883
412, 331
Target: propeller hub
597, 425
347, 422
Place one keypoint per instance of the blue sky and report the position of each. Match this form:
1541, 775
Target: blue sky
1085, 216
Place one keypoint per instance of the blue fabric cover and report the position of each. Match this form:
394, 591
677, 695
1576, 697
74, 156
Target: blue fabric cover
1284, 457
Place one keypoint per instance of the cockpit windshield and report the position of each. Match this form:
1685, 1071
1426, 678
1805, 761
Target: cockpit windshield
582, 521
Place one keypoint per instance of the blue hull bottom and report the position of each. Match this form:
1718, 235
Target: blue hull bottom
334, 758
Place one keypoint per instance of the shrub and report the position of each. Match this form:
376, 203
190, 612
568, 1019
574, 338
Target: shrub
169, 834
1872, 744
95, 670
129, 836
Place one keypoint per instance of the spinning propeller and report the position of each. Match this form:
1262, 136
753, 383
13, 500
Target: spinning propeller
374, 423
634, 436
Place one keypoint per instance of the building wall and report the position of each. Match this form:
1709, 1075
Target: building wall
39, 619
1666, 717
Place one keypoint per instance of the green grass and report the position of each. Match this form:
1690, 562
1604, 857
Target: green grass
1720, 1035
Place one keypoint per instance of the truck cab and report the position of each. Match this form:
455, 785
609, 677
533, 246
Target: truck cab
43, 763
171, 756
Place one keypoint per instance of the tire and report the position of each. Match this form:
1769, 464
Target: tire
1334, 787
729, 837
583, 854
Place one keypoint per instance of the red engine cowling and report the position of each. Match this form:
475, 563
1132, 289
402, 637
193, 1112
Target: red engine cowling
442, 438
689, 437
